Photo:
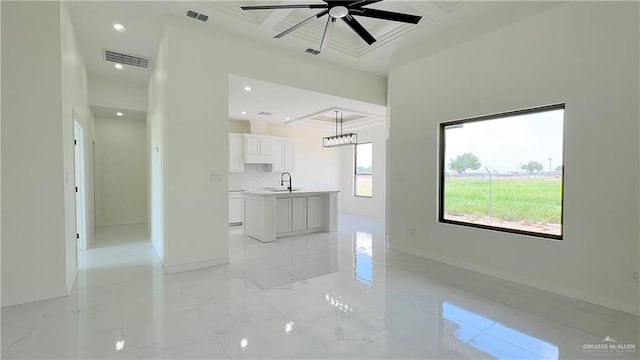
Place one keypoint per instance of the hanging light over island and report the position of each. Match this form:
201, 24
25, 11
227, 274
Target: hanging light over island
339, 139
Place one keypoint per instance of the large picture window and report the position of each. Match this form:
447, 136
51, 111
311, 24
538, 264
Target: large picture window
363, 180
504, 172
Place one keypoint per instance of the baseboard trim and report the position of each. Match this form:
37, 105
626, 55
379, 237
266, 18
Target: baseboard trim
541, 285
172, 269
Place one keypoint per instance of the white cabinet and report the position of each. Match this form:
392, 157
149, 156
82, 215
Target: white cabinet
283, 215
314, 212
236, 152
236, 208
269, 215
298, 213
291, 214
261, 149
283, 155
258, 149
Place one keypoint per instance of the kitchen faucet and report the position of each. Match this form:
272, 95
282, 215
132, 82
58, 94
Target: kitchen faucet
282, 180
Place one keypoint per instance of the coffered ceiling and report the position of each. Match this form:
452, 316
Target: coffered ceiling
443, 24
272, 103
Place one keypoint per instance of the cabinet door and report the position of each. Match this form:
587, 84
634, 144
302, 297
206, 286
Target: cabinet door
314, 212
283, 215
235, 210
236, 153
265, 146
299, 213
289, 155
278, 156
252, 145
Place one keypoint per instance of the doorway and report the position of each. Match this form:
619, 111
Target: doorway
81, 213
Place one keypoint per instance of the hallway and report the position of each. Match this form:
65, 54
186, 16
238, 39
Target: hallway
324, 295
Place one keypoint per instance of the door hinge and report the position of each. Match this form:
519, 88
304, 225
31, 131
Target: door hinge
75, 142
77, 236
76, 189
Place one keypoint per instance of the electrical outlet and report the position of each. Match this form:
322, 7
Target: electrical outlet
635, 276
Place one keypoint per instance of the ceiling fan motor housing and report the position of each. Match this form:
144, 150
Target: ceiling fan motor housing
338, 11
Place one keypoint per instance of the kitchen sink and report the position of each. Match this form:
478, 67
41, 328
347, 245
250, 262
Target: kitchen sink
282, 189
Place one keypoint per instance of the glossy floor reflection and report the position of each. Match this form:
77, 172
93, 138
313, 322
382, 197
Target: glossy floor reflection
340, 295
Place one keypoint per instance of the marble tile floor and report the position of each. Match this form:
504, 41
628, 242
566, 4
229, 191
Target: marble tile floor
335, 296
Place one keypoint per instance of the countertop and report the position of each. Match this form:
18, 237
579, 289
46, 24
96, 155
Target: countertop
287, 193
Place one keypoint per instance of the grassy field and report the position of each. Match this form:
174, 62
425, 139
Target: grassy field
537, 200
364, 185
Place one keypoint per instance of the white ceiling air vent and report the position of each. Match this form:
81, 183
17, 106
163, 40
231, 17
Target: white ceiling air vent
264, 113
126, 59
312, 51
199, 16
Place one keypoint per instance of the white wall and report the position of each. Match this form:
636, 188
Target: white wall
120, 171
554, 56
1, 140
117, 94
196, 128
33, 167
156, 115
74, 101
375, 205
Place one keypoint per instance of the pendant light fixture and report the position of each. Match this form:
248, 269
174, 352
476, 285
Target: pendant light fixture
339, 139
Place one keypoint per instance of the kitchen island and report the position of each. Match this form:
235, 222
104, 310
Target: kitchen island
270, 214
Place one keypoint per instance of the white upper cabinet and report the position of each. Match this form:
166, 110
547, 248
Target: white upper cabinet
261, 149
236, 152
284, 157
290, 155
258, 149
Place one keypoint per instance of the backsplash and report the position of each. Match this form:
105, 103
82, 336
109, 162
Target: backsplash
254, 176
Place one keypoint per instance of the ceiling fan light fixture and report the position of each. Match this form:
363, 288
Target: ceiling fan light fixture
338, 12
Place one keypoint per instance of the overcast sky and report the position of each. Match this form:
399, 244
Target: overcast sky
505, 144
365, 155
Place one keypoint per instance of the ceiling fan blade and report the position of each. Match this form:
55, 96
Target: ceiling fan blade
359, 29
361, 3
386, 15
328, 30
271, 7
303, 22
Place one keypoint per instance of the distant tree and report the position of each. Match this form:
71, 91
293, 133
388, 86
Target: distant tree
559, 168
532, 166
464, 162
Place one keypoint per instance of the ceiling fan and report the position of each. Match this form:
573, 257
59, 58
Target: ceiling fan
345, 10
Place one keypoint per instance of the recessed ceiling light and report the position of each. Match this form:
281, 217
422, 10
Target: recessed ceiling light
244, 113
247, 88
118, 27
120, 113
119, 66
287, 118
